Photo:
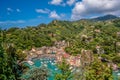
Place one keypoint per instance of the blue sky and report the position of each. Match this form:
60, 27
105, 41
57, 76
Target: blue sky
21, 13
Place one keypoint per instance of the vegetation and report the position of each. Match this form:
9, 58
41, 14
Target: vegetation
101, 37
116, 60
98, 71
9, 68
65, 71
39, 74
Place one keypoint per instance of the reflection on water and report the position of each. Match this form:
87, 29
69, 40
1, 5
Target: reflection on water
50, 63
116, 75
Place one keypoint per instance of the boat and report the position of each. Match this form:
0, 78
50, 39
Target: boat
30, 62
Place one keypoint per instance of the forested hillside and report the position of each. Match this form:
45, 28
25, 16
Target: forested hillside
101, 37
80, 34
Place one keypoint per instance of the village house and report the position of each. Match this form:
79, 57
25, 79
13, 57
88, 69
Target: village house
118, 35
97, 30
60, 44
56, 51
99, 50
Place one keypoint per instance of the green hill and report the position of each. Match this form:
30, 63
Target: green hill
104, 18
71, 31
102, 38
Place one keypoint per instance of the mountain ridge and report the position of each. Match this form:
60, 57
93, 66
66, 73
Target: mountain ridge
105, 18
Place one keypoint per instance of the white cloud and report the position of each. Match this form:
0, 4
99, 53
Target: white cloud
12, 22
18, 10
57, 2
62, 15
54, 15
42, 11
20, 21
71, 2
87, 8
10, 9
9, 23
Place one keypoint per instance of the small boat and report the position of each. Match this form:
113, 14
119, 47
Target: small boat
30, 62
41, 62
52, 63
45, 65
118, 74
56, 69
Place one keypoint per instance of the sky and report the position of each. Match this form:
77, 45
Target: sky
21, 13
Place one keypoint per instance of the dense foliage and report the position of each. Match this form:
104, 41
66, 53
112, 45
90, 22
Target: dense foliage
65, 71
9, 68
39, 74
101, 37
98, 71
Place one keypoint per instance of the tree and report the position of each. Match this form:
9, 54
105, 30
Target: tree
98, 71
20, 55
39, 74
10, 69
116, 60
65, 71
12, 60
5, 69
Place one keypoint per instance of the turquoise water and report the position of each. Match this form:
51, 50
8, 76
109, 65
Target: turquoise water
49, 63
116, 75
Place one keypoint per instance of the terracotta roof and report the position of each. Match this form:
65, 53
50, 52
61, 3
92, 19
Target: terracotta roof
66, 55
